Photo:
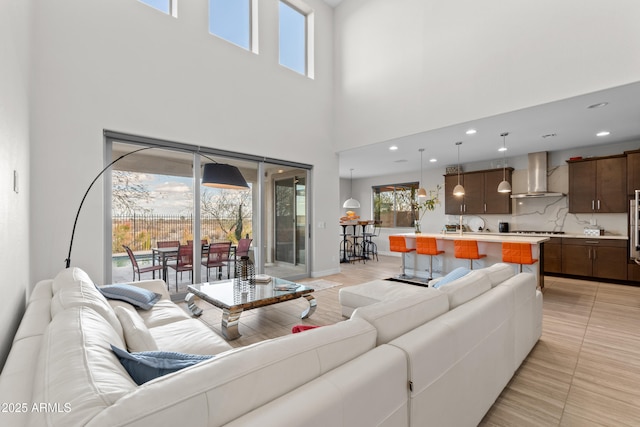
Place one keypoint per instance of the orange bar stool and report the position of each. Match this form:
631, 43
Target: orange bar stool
428, 246
398, 244
517, 253
467, 249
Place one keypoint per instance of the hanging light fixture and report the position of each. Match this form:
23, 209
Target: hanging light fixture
351, 203
422, 193
458, 190
504, 186
222, 175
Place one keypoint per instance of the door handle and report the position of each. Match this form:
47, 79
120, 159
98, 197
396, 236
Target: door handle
485, 207
593, 205
598, 204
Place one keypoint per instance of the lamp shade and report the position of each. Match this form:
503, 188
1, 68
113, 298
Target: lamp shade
422, 193
351, 203
504, 187
458, 190
219, 175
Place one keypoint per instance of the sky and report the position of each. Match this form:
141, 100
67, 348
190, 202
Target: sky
229, 19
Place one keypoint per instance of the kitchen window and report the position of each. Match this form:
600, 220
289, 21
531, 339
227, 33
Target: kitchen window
392, 204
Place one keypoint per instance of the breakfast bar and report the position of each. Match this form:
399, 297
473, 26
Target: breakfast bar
489, 244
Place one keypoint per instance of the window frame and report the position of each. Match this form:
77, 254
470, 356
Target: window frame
309, 31
253, 27
410, 214
173, 7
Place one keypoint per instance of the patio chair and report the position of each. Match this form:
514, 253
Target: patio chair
167, 244
183, 262
218, 256
138, 269
243, 247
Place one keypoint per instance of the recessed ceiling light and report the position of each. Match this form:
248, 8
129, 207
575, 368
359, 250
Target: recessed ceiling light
433, 160
598, 105
603, 133
502, 149
471, 131
393, 148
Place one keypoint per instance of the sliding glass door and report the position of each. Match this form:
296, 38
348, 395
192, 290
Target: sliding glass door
155, 196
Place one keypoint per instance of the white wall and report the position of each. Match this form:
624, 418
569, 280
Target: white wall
408, 66
123, 66
14, 156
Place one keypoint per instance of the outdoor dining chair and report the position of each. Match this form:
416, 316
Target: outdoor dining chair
218, 256
183, 262
138, 269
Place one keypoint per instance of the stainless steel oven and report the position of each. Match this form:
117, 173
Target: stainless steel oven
634, 228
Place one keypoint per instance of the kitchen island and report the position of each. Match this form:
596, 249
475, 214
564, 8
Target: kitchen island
489, 244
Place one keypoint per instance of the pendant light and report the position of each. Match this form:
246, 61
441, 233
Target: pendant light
504, 186
351, 203
458, 190
422, 193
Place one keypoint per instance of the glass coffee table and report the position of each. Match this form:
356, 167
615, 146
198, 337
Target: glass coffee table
234, 298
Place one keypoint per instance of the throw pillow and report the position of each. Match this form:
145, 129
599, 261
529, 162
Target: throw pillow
136, 333
454, 275
140, 297
299, 328
147, 365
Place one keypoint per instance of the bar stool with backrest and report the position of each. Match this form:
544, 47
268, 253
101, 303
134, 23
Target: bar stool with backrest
428, 246
399, 244
467, 249
371, 247
517, 253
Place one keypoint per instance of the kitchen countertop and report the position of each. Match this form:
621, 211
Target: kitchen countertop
483, 237
573, 236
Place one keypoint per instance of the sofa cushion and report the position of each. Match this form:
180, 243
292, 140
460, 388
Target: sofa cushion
396, 317
148, 365
77, 367
498, 273
466, 288
68, 277
136, 334
83, 292
164, 312
140, 297
352, 297
188, 336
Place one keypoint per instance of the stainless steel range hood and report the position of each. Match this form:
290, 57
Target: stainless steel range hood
537, 178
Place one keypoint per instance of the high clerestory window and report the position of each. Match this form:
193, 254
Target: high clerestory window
393, 204
296, 36
232, 21
166, 6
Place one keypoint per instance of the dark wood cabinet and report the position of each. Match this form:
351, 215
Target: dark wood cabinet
600, 258
481, 193
552, 255
598, 185
633, 171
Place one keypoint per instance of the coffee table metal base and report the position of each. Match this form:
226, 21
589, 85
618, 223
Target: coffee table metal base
231, 317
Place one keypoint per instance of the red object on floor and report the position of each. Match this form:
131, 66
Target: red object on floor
300, 328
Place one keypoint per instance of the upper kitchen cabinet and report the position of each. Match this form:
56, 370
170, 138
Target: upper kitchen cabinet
481, 193
598, 185
633, 171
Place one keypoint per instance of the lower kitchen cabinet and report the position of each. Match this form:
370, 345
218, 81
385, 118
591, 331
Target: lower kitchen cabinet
552, 255
600, 258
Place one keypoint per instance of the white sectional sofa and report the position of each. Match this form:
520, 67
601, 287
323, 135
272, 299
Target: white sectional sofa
410, 360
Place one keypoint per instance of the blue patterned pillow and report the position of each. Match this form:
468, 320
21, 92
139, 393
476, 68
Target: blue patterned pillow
146, 365
134, 295
454, 275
